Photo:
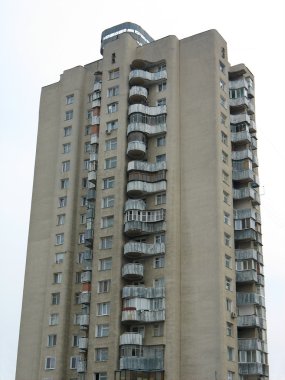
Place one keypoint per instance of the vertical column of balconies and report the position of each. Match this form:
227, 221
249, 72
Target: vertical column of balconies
248, 243
141, 304
86, 274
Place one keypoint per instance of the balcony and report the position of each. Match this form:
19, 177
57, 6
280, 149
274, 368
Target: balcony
253, 142
242, 137
96, 103
84, 320
93, 157
146, 166
133, 272
239, 83
145, 78
243, 213
244, 175
97, 86
251, 108
91, 194
143, 292
84, 298
81, 366
95, 120
144, 222
252, 344
150, 130
136, 149
86, 276
144, 316
131, 338
141, 364
239, 102
250, 299
83, 343
246, 235
138, 189
92, 176
88, 237
240, 118
251, 321
145, 110
241, 154
94, 139
260, 279
133, 249
254, 161
134, 204
90, 213
246, 276
253, 369
137, 94
246, 193
245, 254
137, 228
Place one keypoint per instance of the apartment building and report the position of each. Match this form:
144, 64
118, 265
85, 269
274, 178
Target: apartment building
145, 252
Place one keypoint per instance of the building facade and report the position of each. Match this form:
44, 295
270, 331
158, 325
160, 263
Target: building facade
145, 255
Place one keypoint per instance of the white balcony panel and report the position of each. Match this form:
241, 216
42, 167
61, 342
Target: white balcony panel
95, 120
150, 130
133, 270
152, 111
147, 76
143, 316
135, 249
131, 338
146, 166
83, 343
146, 187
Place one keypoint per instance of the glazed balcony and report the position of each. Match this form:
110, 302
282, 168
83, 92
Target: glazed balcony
238, 103
90, 213
253, 142
84, 320
97, 86
91, 194
246, 276
240, 118
251, 321
247, 193
253, 369
141, 363
254, 160
239, 83
148, 129
247, 175
96, 103
243, 213
88, 237
146, 78
250, 299
144, 222
133, 249
144, 316
245, 254
138, 189
86, 276
247, 235
146, 216
83, 343
94, 138
143, 292
136, 145
138, 94
131, 338
151, 111
134, 204
238, 155
93, 157
242, 137
95, 120
92, 176
146, 166
140, 304
81, 366
84, 298
252, 344
260, 279
133, 272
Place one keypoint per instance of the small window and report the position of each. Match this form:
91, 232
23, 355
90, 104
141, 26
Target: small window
89, 116
113, 74
113, 91
160, 141
111, 163
108, 183
53, 319
67, 131
51, 340
57, 278
69, 115
59, 239
84, 182
82, 218
60, 219
159, 282
83, 201
227, 218
225, 157
81, 238
104, 286
62, 201
112, 125
103, 308
106, 242
160, 239
160, 199
227, 240
223, 119
111, 144
112, 107
225, 177
230, 375
158, 262
86, 164
77, 298
76, 319
158, 329
59, 257
66, 148
87, 147
228, 262
73, 362
70, 99
107, 221
161, 158
64, 183
222, 67
102, 331
161, 102
223, 102
77, 277
88, 129
50, 362
113, 59
223, 52
161, 86
226, 197
108, 202
75, 341
229, 305
100, 376
55, 298
101, 354
224, 138
230, 352
222, 85
105, 264
229, 284
229, 329
80, 257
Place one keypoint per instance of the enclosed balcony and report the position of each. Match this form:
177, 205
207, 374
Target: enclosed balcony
244, 175
238, 155
96, 103
92, 176
134, 204
242, 137
247, 193
131, 338
239, 103
94, 138
133, 271
137, 94
250, 299
134, 249
84, 320
83, 343
84, 298
253, 142
143, 292
139, 189
246, 235
146, 78
240, 118
251, 321
81, 366
146, 166
91, 194
136, 145
88, 237
95, 120
86, 276
246, 254
137, 228
246, 276
97, 86
144, 316
252, 344
253, 369
152, 111
242, 213
144, 222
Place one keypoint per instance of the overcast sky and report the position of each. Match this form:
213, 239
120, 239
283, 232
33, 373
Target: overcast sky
39, 39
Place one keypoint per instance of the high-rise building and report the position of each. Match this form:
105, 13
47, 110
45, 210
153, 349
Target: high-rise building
145, 255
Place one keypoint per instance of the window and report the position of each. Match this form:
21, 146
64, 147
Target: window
160, 199
230, 375
226, 197
53, 319
224, 138
230, 352
77, 277
50, 362
229, 329
225, 157
106, 242
113, 59
225, 177
160, 141
87, 147
88, 129
227, 240
55, 298
60, 219
223, 119
75, 341
100, 376
113, 74
112, 107
161, 102
107, 221
159, 282
222, 67
62, 201
113, 91
67, 131
57, 278
111, 162
228, 284
76, 298
103, 286
83, 201
111, 144
229, 305
89, 117
228, 262
69, 115
70, 99
112, 125
51, 340
108, 183
77, 319
227, 218
59, 257
160, 239
105, 264
81, 238
66, 148
80, 257
102, 331
101, 354
82, 218
223, 102
161, 86
108, 202
84, 182
86, 164
59, 239
64, 183
222, 85
161, 158
103, 308
73, 362
158, 262
158, 329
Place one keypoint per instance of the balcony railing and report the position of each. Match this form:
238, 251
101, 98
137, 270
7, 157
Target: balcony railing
84, 297
141, 363
146, 216
143, 292
92, 176
151, 130
86, 276
136, 149
131, 338
239, 102
152, 111
143, 316
243, 213
246, 235
134, 204
252, 344
136, 228
244, 175
241, 154
239, 83
95, 120
91, 194
145, 77
246, 276
250, 299
94, 138
137, 93
97, 86
241, 137
140, 188
251, 321
134, 249
240, 118
81, 366
253, 369
245, 254
246, 193
83, 343
133, 271
146, 166
84, 320
96, 103
147, 176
